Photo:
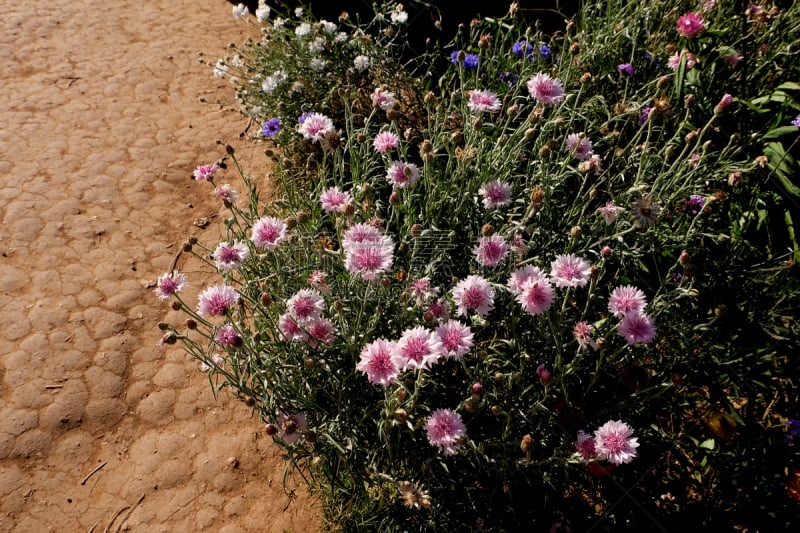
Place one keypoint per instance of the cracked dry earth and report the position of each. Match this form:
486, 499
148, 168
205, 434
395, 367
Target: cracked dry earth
102, 125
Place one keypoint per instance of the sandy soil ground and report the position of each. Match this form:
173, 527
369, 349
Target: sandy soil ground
102, 126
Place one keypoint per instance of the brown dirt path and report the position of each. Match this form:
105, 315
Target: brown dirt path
101, 127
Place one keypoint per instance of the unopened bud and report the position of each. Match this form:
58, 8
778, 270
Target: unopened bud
394, 198
487, 230
575, 232
401, 416
271, 429
586, 77
476, 388
684, 258
688, 101
606, 252
735, 179
526, 443
191, 323
574, 48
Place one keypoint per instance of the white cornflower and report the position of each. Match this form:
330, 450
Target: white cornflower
240, 11
399, 17
317, 45
327, 27
340, 37
303, 29
270, 83
263, 11
298, 12
361, 63
318, 65
220, 69
278, 23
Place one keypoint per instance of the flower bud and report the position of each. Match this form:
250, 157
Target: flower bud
606, 252
271, 429
303, 216
735, 179
526, 443
386, 282
496, 410
487, 230
309, 362
574, 48
684, 258
401, 416
688, 100
394, 198
401, 395
191, 324
169, 338
229, 149
575, 232
428, 316
476, 388
176, 305
586, 77
724, 103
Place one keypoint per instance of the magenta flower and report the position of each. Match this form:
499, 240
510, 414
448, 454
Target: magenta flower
217, 300
524, 274
334, 199
226, 335
226, 193
422, 291
316, 127
290, 329
385, 141
570, 271
170, 284
675, 60
446, 430
610, 212
637, 328
360, 233
417, 348
305, 305
495, 194
230, 256
614, 443
690, 25
491, 251
582, 331
723, 103
625, 68
402, 175
205, 172
545, 89
269, 233
367, 259
377, 362
383, 99
456, 339
439, 309
320, 330
626, 299
535, 296
473, 293
291, 427
484, 101
579, 146
585, 447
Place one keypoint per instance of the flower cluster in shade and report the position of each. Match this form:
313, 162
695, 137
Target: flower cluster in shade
627, 303
613, 442
523, 48
690, 25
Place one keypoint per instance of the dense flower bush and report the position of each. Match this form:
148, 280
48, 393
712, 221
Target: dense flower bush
552, 288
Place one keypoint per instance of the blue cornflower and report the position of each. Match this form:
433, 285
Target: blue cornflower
544, 51
509, 77
302, 118
522, 48
645, 114
470, 60
271, 127
625, 68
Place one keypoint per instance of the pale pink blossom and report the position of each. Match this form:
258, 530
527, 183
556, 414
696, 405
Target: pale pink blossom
226, 193
675, 60
377, 362
316, 127
626, 299
579, 146
269, 232
690, 25
290, 329
473, 293
226, 335
456, 339
291, 427
610, 212
230, 256
360, 233
439, 309
319, 280
402, 175
385, 141
205, 172
585, 447
383, 99
320, 330
445, 430
418, 348
535, 296
217, 300
484, 101
582, 331
305, 305
335, 200
368, 259
637, 328
495, 194
545, 89
570, 271
170, 284
524, 274
422, 291
614, 442
491, 251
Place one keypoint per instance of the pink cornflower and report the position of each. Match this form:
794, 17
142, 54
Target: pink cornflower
456, 339
417, 348
585, 447
170, 284
334, 199
377, 362
524, 274
570, 271
230, 256
610, 212
269, 233
217, 300
675, 60
205, 172
319, 280
473, 293
535, 296
305, 305
518, 244
495, 194
614, 443
290, 329
690, 25
439, 310
383, 99
226, 335
316, 127
291, 427
320, 330
422, 291
385, 141
360, 233
626, 299
637, 328
226, 193
483, 101
544, 374
402, 175
446, 430
491, 251
579, 146
545, 89
582, 331
368, 259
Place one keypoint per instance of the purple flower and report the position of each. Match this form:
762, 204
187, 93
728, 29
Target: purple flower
644, 115
302, 118
793, 430
509, 77
271, 127
522, 48
544, 51
170, 284
470, 60
796, 122
625, 68
695, 204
